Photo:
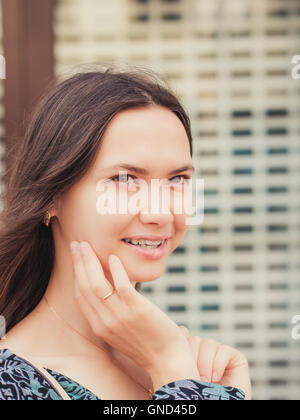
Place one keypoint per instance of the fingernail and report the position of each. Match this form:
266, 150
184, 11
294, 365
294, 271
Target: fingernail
112, 258
215, 377
73, 247
204, 378
84, 247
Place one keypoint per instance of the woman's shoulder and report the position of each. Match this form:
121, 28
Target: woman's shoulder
21, 381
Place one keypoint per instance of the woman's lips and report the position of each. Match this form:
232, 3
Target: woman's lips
149, 253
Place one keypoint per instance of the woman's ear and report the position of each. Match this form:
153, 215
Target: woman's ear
56, 205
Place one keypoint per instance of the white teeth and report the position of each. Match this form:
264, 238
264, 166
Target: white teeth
145, 243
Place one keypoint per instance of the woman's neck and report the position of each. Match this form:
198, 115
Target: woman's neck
60, 303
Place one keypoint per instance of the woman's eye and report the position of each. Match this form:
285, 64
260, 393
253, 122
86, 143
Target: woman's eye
123, 178
185, 177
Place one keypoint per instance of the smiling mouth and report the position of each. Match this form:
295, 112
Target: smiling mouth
149, 252
145, 246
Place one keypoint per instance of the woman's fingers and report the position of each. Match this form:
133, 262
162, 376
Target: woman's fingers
213, 358
194, 342
208, 349
185, 331
99, 285
94, 271
122, 283
93, 287
204, 351
221, 362
84, 290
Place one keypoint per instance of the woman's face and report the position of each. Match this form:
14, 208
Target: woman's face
151, 138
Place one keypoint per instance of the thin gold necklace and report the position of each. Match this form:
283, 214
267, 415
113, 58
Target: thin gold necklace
150, 392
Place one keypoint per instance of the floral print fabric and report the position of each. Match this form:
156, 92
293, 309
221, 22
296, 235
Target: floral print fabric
19, 380
191, 389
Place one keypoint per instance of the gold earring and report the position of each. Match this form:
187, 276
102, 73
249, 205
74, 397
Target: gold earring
47, 218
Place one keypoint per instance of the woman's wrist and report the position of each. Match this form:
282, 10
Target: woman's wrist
173, 370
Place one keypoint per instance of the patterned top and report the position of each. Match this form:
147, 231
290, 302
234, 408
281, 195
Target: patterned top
19, 380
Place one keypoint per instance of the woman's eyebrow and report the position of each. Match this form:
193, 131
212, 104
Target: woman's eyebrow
142, 171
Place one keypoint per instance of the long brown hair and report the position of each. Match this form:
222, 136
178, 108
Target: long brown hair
59, 146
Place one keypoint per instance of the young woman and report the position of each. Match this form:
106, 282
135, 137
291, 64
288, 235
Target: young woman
76, 325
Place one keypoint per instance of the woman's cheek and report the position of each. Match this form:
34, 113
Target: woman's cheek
183, 200
179, 230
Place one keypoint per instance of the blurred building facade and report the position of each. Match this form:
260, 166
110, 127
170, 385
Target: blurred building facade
235, 278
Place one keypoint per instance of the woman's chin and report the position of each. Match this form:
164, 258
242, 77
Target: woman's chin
147, 276
138, 273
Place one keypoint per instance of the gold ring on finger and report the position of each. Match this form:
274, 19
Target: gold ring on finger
108, 294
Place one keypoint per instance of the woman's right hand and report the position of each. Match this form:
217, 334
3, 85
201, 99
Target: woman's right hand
220, 363
129, 322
